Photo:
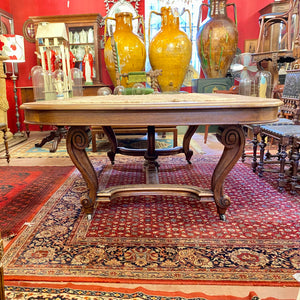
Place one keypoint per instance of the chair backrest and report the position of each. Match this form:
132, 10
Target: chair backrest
296, 46
291, 95
292, 6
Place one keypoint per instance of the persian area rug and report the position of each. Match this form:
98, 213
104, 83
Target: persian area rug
28, 150
163, 239
77, 292
23, 190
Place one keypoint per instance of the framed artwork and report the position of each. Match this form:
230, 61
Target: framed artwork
110, 3
250, 46
6, 23
28, 31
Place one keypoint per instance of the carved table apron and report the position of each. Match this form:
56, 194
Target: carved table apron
230, 112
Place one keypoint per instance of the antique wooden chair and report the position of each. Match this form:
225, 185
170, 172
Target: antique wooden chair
287, 156
285, 18
291, 96
287, 47
3, 128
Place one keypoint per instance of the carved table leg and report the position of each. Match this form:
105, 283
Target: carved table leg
59, 133
151, 164
186, 142
78, 138
113, 141
46, 139
54, 136
233, 139
151, 155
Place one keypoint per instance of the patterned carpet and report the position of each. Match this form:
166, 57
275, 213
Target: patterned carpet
23, 190
163, 238
75, 292
28, 150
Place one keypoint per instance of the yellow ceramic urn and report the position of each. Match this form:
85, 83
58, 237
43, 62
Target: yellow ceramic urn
170, 51
124, 51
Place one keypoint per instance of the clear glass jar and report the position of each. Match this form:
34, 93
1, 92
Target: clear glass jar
37, 75
263, 84
246, 84
42, 83
77, 82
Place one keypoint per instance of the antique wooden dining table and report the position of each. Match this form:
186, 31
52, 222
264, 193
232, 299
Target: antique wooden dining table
229, 112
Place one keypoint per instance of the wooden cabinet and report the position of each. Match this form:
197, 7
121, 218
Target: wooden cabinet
210, 85
83, 30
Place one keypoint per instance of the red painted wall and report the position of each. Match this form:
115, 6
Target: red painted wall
5, 5
247, 15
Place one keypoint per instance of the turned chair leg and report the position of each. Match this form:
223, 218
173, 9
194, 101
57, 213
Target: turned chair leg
256, 130
262, 146
4, 130
282, 159
295, 157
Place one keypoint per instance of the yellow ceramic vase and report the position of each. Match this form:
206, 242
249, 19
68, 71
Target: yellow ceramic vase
170, 50
129, 54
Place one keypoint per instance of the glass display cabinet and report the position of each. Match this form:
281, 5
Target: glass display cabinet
84, 32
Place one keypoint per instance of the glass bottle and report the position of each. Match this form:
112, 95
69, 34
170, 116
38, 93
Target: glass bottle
77, 82
263, 84
245, 86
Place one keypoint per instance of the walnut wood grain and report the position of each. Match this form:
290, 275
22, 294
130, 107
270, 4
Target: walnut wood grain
227, 111
78, 138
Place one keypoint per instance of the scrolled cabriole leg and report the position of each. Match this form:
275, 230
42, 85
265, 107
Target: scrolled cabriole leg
113, 142
78, 139
233, 139
186, 142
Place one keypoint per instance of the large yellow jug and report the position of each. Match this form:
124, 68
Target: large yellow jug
170, 50
129, 54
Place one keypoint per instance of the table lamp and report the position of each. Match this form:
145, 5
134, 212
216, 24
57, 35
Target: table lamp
13, 48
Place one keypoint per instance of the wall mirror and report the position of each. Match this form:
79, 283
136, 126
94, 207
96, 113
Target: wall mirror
7, 27
122, 6
6, 23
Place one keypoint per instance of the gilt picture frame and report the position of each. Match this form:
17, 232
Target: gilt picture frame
250, 46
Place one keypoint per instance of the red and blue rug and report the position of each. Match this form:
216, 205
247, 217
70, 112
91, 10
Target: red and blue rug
163, 239
23, 190
48, 291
